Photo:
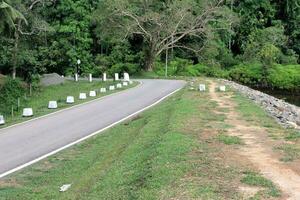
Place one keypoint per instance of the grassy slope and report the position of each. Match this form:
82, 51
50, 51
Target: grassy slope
39, 100
170, 151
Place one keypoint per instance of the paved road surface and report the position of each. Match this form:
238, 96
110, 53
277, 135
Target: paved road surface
26, 142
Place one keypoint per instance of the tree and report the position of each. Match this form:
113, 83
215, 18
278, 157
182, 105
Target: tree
163, 25
9, 15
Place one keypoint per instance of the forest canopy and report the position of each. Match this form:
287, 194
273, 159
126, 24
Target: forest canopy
45, 36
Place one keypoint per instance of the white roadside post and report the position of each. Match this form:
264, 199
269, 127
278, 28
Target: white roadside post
104, 77
112, 87
202, 88
119, 85
125, 83
90, 78
27, 112
103, 90
223, 88
92, 94
82, 96
52, 105
2, 121
70, 100
126, 77
76, 77
130, 82
116, 76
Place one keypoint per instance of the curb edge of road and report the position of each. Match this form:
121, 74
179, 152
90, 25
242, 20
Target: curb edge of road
74, 106
88, 136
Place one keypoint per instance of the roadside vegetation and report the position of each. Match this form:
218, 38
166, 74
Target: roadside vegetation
253, 42
155, 155
14, 96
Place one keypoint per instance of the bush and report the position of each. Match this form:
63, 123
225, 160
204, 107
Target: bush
249, 74
284, 77
10, 91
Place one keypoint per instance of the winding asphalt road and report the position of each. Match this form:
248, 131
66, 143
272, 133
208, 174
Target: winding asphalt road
26, 143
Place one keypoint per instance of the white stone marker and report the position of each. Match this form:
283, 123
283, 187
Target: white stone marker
112, 87
103, 90
93, 93
125, 83
52, 105
70, 100
76, 77
90, 78
119, 85
116, 76
104, 77
223, 88
130, 82
27, 112
2, 121
126, 77
202, 87
82, 96
65, 187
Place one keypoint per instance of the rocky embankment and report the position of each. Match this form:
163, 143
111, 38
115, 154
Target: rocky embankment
286, 114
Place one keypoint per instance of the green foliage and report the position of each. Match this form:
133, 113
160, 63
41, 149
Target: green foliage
10, 91
249, 74
284, 77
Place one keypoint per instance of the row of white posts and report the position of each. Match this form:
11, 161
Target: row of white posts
28, 112
104, 77
202, 88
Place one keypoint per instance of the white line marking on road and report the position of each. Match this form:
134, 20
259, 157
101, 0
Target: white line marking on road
84, 138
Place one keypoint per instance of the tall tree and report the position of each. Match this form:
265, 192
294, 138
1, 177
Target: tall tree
162, 24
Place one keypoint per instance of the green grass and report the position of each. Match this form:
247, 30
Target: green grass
229, 140
255, 179
39, 100
291, 152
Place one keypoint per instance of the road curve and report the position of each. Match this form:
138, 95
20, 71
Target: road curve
29, 141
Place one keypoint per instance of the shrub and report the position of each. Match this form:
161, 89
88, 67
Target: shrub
249, 74
10, 91
284, 77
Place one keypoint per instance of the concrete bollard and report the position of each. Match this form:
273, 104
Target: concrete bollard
125, 83
70, 100
119, 85
126, 77
112, 87
82, 96
52, 104
90, 78
76, 77
2, 121
92, 94
27, 112
222, 88
116, 76
202, 87
103, 90
104, 77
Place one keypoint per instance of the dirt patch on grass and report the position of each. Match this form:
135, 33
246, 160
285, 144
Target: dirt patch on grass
258, 148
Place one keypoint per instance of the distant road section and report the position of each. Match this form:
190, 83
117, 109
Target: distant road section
24, 144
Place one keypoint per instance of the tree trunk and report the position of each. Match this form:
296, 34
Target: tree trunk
15, 54
150, 58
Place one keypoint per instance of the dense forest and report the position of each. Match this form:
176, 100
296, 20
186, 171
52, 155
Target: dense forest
256, 42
